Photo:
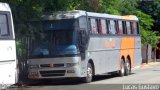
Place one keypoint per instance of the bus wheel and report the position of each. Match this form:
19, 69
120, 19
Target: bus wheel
122, 69
88, 78
127, 68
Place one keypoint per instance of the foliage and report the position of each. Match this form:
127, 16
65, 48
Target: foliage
149, 21
149, 37
152, 7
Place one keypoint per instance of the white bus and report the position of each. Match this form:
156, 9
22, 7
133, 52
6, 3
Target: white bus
83, 44
8, 61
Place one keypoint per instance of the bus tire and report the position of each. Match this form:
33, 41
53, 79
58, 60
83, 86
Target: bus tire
89, 76
122, 69
127, 68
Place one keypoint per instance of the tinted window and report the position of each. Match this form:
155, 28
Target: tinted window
52, 43
131, 26
89, 24
124, 27
64, 24
138, 32
98, 25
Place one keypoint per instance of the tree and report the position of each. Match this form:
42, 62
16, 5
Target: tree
149, 36
152, 8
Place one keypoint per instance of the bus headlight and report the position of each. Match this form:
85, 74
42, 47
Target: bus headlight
71, 64
34, 66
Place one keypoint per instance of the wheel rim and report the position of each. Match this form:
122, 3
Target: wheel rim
128, 66
89, 72
122, 69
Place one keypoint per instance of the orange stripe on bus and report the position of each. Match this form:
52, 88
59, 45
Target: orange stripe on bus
128, 17
127, 48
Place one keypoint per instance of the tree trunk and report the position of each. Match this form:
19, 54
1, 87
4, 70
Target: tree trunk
147, 54
155, 59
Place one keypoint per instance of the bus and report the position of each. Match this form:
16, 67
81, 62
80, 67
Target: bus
8, 60
83, 44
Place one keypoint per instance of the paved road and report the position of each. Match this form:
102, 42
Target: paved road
144, 78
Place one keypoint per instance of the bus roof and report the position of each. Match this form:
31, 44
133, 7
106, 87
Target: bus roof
104, 15
79, 13
4, 7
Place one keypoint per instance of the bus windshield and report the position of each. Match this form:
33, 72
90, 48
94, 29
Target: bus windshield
52, 43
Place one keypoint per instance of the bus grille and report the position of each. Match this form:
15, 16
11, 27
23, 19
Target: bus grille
51, 65
52, 73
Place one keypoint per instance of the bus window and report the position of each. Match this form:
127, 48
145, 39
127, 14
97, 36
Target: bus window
93, 26
131, 26
112, 29
89, 24
124, 27
128, 27
120, 27
138, 32
99, 26
104, 27
82, 23
3, 26
107, 26
116, 26
135, 28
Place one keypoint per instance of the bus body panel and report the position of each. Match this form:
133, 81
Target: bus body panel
4, 7
8, 72
137, 52
127, 48
7, 50
105, 55
8, 61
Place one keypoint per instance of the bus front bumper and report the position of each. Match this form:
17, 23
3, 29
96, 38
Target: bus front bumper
55, 73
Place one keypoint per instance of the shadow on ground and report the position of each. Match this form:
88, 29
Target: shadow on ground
69, 81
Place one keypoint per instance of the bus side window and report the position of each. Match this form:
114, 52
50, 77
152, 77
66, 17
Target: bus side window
104, 27
120, 27
124, 27
83, 23
93, 26
107, 26
138, 32
131, 26
116, 26
128, 27
135, 29
89, 24
4, 29
112, 29
99, 26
